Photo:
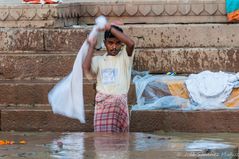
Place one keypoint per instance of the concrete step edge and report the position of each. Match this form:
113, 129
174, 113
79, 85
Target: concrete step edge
143, 121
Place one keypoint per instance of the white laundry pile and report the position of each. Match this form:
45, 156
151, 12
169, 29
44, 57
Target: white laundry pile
66, 98
210, 89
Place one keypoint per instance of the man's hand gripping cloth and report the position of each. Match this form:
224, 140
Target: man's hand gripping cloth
66, 98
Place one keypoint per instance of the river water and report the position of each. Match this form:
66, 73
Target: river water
119, 145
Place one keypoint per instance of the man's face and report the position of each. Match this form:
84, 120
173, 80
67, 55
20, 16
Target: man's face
113, 46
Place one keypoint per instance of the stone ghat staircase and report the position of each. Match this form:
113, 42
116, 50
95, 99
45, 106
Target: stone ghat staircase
39, 44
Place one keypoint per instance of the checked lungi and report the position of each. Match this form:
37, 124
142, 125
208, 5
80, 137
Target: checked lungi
111, 113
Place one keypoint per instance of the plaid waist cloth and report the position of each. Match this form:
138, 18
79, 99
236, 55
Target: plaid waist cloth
111, 113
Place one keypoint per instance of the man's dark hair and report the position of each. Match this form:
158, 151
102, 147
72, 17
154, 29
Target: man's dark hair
108, 33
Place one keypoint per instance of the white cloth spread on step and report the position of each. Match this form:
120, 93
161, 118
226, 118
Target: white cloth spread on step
66, 98
210, 89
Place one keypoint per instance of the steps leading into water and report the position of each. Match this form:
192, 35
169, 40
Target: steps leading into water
140, 121
34, 92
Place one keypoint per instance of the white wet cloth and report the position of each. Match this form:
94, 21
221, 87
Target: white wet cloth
210, 89
198, 145
66, 98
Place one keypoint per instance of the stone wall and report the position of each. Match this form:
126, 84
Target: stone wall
154, 12
133, 12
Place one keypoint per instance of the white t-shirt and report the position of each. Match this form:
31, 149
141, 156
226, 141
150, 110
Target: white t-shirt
113, 72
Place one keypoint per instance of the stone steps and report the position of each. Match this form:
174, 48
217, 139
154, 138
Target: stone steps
35, 39
23, 66
187, 60
34, 93
159, 48
145, 36
141, 121
42, 120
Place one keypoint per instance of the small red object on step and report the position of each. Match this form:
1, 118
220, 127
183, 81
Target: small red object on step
39, 1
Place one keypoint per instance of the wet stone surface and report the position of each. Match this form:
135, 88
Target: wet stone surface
118, 146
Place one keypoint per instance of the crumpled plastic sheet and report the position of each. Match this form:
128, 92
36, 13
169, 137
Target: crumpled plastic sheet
153, 93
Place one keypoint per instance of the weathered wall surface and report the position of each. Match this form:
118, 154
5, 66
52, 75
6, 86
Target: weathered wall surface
44, 53
138, 11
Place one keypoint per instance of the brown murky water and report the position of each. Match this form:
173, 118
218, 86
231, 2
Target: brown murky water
119, 145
